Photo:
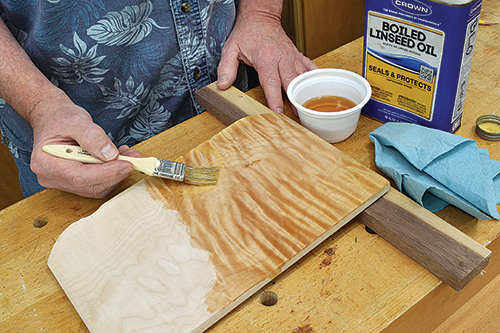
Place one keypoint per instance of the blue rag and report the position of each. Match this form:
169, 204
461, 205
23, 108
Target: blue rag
436, 168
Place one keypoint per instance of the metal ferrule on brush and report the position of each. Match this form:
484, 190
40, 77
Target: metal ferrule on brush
169, 169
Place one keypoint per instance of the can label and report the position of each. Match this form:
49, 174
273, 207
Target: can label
468, 51
418, 60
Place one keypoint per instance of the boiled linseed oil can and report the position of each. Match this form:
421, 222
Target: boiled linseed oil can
417, 58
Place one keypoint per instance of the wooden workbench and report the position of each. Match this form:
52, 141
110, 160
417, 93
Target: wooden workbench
352, 282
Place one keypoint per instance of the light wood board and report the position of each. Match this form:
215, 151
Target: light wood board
166, 256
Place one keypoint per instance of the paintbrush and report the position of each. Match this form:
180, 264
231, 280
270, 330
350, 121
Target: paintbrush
483, 22
152, 166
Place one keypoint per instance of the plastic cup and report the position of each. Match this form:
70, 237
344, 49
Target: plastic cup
330, 126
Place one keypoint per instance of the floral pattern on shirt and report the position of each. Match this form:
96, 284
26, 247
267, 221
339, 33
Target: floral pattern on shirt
132, 64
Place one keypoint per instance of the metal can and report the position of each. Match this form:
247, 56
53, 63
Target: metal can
417, 58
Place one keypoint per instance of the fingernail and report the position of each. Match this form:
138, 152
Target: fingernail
279, 110
126, 171
108, 152
221, 80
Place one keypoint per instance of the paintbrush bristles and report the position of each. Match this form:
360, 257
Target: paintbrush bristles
200, 175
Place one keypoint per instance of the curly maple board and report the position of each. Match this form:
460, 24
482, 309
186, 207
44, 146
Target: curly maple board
164, 256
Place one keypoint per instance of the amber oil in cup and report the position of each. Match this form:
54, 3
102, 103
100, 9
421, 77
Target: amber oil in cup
333, 82
329, 104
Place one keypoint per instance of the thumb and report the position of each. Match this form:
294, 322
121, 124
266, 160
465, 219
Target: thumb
93, 139
228, 69
108, 152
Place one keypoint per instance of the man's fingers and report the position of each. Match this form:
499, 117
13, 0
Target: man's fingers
271, 84
88, 180
93, 139
126, 151
308, 63
228, 68
275, 79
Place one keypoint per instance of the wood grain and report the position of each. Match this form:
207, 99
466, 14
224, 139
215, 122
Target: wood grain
31, 300
319, 26
229, 105
166, 256
443, 250
369, 286
440, 248
480, 314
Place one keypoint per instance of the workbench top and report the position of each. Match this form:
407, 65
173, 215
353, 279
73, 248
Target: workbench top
352, 282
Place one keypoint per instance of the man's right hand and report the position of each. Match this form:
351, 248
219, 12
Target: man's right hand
55, 119
59, 121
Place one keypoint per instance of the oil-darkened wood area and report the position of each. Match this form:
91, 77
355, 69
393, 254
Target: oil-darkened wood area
437, 246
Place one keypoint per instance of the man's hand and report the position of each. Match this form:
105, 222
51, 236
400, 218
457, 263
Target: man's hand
59, 121
258, 40
55, 119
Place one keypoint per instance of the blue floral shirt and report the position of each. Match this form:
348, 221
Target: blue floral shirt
132, 64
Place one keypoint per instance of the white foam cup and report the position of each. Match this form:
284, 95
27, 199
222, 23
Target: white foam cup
330, 126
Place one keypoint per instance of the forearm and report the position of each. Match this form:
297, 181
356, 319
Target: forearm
22, 85
269, 8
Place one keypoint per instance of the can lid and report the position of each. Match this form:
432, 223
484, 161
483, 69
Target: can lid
488, 127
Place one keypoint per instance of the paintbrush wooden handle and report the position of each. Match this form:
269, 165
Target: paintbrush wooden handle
76, 153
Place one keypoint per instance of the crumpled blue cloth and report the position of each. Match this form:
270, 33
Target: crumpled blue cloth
436, 168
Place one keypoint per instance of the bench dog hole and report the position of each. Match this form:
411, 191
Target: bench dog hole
268, 298
370, 231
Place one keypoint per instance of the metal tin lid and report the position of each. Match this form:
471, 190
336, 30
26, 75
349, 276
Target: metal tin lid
488, 127
454, 2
